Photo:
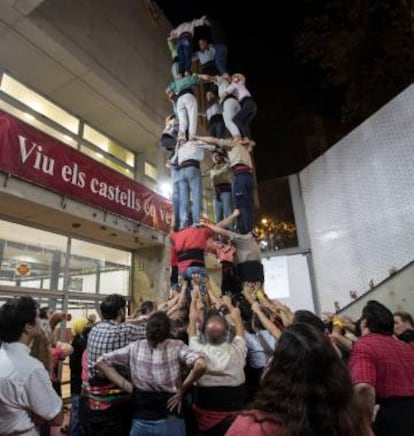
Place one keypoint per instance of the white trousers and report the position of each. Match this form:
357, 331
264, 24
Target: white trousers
230, 108
187, 111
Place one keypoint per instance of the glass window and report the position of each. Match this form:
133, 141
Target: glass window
95, 268
107, 161
108, 145
82, 309
33, 121
150, 171
275, 225
38, 103
30, 257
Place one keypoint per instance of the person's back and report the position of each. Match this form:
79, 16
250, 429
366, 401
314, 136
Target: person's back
190, 244
111, 333
221, 391
157, 382
109, 410
382, 372
225, 362
393, 361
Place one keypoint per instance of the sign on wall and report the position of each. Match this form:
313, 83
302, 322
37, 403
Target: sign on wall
277, 277
31, 155
23, 269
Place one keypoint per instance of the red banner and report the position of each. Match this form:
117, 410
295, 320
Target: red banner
32, 155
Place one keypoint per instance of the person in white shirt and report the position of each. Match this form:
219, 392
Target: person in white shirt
183, 35
26, 393
206, 57
261, 345
229, 102
220, 392
248, 110
241, 165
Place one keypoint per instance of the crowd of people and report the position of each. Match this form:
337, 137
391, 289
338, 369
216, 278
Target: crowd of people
234, 366
202, 362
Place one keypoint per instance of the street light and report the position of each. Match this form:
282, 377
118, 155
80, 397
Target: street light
165, 189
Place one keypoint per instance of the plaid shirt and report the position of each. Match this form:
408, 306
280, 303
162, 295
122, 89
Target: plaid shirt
384, 362
107, 336
142, 329
154, 369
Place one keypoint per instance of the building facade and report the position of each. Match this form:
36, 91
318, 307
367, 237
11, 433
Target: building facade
82, 105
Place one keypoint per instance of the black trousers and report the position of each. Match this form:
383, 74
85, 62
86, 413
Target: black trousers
245, 116
395, 417
115, 421
217, 128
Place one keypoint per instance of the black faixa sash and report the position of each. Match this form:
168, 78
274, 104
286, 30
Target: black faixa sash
151, 406
220, 398
194, 254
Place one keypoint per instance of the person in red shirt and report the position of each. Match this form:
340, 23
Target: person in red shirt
306, 391
382, 371
187, 251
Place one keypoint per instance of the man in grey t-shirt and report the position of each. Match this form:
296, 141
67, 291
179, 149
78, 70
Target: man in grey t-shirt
248, 256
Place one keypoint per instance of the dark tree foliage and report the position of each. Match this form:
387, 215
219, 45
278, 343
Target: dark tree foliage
364, 47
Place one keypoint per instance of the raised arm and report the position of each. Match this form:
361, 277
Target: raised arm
192, 316
226, 222
340, 339
217, 229
267, 324
214, 300
238, 322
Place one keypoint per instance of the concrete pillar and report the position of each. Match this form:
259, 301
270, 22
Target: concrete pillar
150, 274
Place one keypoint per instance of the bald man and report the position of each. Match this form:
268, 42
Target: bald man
220, 392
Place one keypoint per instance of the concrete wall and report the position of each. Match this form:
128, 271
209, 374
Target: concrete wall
102, 60
396, 292
359, 204
150, 275
123, 41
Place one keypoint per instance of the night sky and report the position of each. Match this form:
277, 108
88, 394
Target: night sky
258, 39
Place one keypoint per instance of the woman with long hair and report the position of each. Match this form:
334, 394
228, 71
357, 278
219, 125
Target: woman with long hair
306, 391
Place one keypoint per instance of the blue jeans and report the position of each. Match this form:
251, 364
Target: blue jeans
187, 275
223, 206
221, 57
217, 129
175, 181
194, 270
161, 427
243, 186
190, 182
185, 54
74, 415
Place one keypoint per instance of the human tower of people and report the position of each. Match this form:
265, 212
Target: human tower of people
230, 110
201, 363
